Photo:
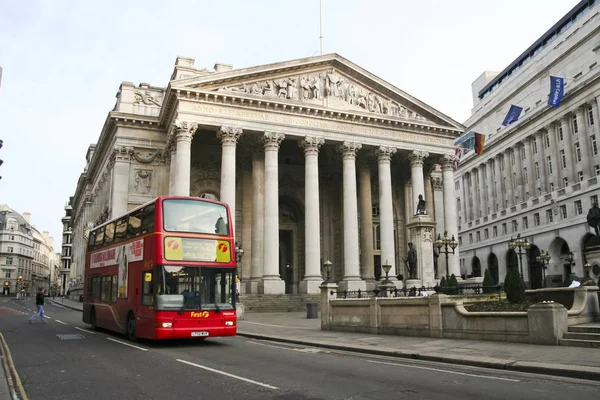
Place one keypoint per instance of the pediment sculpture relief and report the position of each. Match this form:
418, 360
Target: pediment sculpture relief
146, 97
316, 88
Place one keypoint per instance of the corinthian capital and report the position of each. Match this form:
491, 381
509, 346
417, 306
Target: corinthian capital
417, 157
184, 130
348, 149
272, 140
384, 155
448, 161
229, 135
311, 145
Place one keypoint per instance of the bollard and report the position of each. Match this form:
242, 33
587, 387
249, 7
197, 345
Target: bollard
311, 311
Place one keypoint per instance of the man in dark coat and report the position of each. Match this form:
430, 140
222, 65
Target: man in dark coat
39, 303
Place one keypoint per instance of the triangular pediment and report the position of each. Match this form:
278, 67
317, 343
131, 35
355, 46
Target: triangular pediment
328, 81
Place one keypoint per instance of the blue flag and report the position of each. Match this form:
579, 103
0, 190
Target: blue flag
557, 91
513, 115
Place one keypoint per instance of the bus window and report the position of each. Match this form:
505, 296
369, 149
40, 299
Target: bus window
109, 233
135, 224
147, 289
115, 288
105, 288
148, 220
195, 216
121, 229
99, 238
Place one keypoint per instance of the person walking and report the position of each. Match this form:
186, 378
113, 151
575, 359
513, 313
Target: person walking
39, 303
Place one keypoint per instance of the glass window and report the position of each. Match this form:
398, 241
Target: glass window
105, 288
109, 233
121, 229
135, 224
115, 288
181, 215
148, 219
578, 207
99, 237
147, 288
194, 288
536, 219
563, 211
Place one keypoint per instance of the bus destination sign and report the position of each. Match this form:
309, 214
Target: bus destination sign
190, 249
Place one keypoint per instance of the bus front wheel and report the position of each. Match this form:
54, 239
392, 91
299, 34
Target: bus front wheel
131, 327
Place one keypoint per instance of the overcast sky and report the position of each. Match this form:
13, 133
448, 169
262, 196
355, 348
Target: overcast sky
63, 62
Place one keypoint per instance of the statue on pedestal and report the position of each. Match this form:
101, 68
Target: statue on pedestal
411, 262
421, 206
593, 218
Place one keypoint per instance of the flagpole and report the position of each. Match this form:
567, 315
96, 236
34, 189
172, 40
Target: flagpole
321, 24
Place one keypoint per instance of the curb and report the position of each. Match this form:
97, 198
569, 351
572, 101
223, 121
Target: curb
56, 303
566, 371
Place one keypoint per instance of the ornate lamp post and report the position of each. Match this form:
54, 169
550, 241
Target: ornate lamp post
544, 258
521, 244
327, 266
446, 242
239, 253
587, 267
386, 267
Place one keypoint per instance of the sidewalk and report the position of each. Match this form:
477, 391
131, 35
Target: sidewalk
294, 327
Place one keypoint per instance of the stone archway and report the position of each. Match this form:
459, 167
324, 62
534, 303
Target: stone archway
559, 268
475, 267
535, 268
493, 267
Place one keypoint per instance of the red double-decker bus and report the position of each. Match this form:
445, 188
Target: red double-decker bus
163, 270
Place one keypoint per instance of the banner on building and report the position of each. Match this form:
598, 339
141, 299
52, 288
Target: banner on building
513, 114
557, 91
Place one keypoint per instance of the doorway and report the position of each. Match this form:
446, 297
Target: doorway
286, 259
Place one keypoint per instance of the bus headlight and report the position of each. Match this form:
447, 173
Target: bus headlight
167, 325
228, 323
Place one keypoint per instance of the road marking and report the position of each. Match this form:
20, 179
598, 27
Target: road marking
85, 330
127, 344
311, 350
228, 374
7, 362
60, 322
444, 370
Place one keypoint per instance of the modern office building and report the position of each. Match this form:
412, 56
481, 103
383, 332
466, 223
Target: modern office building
537, 177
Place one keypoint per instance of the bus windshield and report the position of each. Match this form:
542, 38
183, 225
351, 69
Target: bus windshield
194, 288
184, 215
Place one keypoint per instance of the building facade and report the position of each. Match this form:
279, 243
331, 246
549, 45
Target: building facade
538, 176
63, 275
318, 159
26, 255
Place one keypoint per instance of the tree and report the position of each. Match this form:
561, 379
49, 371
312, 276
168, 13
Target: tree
453, 283
443, 285
489, 285
514, 286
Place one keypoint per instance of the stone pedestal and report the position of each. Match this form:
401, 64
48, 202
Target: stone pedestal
326, 294
410, 283
252, 286
421, 230
308, 286
352, 285
386, 288
272, 286
547, 323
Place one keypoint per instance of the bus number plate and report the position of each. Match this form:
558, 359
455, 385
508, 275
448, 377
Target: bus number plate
203, 333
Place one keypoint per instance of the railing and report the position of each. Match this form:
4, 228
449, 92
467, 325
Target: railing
460, 290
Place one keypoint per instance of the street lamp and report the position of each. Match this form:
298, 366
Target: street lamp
544, 258
587, 267
327, 265
445, 242
386, 267
520, 244
239, 253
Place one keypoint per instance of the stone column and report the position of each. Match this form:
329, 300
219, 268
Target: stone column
184, 132
498, 176
367, 266
594, 105
272, 283
258, 221
429, 195
530, 168
312, 228
173, 169
450, 220
120, 181
438, 200
555, 156
569, 149
416, 159
229, 137
520, 191
584, 142
541, 160
464, 197
508, 174
386, 210
490, 186
351, 279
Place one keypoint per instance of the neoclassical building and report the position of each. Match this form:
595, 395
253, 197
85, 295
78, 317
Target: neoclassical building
537, 177
318, 159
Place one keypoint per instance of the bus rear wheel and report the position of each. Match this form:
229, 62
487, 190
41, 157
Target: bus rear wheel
93, 319
131, 327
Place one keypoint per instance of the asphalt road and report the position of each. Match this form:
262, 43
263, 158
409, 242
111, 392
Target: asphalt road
102, 365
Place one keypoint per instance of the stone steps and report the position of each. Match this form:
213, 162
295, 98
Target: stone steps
585, 335
277, 302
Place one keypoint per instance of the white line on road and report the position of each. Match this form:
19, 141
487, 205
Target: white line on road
127, 344
60, 322
228, 374
85, 330
444, 370
310, 350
